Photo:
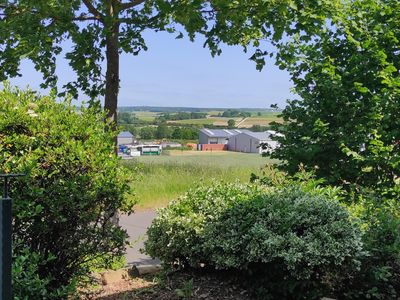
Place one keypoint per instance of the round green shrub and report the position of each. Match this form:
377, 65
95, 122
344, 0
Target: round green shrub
177, 234
74, 186
291, 244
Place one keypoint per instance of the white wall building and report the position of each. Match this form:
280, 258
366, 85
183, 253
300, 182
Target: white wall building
249, 142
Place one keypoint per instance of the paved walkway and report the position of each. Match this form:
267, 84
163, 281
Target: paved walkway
136, 225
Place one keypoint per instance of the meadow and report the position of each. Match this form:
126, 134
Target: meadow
147, 116
160, 179
262, 118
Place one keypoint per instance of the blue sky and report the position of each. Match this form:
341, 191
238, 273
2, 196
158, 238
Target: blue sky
181, 73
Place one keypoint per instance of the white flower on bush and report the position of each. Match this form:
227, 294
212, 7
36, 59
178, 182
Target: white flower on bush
32, 113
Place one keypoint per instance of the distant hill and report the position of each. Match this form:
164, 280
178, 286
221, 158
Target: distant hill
186, 109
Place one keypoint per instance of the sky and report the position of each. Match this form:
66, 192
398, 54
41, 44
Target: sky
182, 73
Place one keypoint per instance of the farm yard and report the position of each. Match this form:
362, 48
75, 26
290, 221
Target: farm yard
163, 178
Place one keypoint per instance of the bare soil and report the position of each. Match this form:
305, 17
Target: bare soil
175, 285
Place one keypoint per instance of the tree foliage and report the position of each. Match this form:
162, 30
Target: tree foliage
346, 126
231, 123
126, 118
74, 186
233, 113
163, 131
288, 242
99, 30
181, 115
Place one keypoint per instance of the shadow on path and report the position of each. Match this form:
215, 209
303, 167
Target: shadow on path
136, 225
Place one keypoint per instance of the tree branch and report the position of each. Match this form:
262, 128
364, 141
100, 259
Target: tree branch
133, 3
85, 17
93, 10
138, 22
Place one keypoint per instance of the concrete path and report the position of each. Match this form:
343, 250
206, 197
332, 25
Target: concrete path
136, 225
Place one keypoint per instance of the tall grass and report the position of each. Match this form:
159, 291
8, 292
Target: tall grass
164, 178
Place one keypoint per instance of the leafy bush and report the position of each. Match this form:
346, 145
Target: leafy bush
73, 188
379, 212
28, 284
177, 234
306, 181
292, 243
379, 275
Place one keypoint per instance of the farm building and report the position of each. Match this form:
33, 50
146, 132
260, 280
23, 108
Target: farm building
217, 136
249, 142
125, 138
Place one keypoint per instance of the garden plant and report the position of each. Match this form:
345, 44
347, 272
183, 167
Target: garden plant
63, 207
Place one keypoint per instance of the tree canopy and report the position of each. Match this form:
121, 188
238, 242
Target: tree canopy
100, 30
346, 126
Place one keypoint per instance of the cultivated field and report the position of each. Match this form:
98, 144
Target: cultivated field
218, 121
263, 119
163, 178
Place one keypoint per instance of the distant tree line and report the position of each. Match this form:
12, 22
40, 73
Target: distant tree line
164, 131
233, 113
181, 116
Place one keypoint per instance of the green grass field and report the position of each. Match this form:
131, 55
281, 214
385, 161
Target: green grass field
262, 120
163, 178
147, 116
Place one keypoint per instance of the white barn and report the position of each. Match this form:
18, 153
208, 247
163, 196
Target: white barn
249, 142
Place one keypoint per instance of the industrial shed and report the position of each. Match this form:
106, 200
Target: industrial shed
125, 138
217, 136
249, 142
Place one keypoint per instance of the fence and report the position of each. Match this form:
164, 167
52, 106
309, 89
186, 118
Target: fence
5, 240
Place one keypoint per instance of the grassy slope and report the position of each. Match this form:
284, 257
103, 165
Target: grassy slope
163, 178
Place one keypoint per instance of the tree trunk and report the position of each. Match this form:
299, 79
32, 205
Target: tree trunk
112, 56
112, 75
112, 80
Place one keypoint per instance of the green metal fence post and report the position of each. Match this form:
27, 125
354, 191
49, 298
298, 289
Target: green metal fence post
6, 240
